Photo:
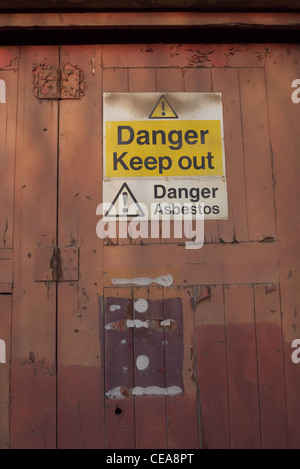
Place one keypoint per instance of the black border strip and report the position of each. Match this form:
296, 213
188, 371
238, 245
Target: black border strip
193, 35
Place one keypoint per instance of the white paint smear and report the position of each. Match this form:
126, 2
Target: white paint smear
129, 323
2, 352
142, 362
137, 323
2, 92
166, 322
116, 393
141, 305
165, 281
113, 308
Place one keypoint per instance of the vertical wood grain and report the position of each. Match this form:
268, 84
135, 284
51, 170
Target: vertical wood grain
242, 367
282, 68
5, 335
271, 367
33, 381
212, 369
80, 390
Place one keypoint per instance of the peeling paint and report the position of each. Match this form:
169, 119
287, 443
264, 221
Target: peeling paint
165, 281
2, 351
137, 323
155, 324
2, 92
65, 83
113, 308
167, 322
123, 392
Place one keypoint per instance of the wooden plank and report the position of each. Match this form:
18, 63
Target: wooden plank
141, 80
212, 367
244, 409
183, 56
271, 367
212, 264
148, 20
5, 335
119, 362
6, 268
79, 386
6, 271
33, 378
182, 410
114, 80
235, 228
168, 79
6, 288
150, 411
7, 155
282, 68
257, 154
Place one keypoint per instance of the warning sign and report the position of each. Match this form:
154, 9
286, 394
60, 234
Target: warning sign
163, 110
161, 150
124, 205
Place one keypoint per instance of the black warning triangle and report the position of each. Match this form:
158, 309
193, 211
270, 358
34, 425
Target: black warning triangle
163, 110
125, 204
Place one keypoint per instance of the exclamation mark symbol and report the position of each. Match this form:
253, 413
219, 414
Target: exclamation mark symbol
163, 105
125, 198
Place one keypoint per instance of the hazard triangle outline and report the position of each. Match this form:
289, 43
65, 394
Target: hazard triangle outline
126, 215
163, 110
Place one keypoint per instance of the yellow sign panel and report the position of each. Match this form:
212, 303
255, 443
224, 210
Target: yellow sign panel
157, 148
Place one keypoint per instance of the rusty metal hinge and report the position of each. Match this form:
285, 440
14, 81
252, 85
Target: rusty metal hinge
57, 264
64, 83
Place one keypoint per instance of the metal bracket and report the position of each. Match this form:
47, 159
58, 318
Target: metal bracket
57, 264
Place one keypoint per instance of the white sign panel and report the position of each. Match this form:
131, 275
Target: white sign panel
164, 156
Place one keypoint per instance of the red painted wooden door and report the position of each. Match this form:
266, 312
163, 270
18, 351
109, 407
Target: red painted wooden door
235, 301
